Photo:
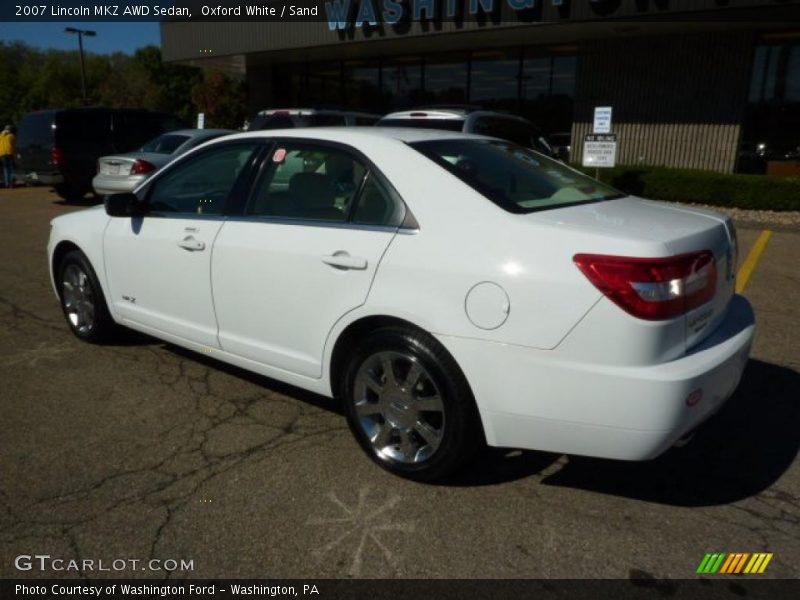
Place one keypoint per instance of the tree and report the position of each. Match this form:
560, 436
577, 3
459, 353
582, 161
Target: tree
222, 99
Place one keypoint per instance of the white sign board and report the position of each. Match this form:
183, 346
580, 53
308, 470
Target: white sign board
602, 119
600, 150
201, 120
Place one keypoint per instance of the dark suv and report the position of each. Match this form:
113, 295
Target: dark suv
60, 147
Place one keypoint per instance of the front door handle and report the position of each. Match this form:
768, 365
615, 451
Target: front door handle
191, 244
342, 260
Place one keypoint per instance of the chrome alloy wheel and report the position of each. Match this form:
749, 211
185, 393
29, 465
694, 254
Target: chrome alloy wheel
78, 298
399, 407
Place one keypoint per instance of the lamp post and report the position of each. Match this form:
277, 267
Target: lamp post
81, 33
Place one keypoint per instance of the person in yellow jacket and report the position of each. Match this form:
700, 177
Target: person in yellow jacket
8, 149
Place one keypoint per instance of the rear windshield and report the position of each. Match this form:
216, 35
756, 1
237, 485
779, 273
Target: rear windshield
165, 144
445, 124
516, 179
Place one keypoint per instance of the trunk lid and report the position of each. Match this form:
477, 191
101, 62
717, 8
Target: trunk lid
121, 165
612, 225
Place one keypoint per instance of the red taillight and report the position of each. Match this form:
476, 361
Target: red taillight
653, 288
57, 157
141, 167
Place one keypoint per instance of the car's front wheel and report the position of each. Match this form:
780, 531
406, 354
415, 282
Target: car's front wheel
82, 299
409, 405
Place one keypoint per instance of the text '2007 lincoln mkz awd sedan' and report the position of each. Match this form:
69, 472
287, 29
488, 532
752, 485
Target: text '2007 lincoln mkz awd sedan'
450, 289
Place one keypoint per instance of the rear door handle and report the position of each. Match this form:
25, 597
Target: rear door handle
191, 244
342, 260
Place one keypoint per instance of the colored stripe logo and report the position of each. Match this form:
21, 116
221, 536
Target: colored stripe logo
734, 563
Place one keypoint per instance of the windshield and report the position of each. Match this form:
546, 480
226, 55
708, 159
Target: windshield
165, 144
516, 179
446, 124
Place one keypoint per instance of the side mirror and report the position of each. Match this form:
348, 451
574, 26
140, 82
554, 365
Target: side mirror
122, 205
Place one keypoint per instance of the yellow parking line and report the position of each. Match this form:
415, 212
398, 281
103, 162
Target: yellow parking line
749, 264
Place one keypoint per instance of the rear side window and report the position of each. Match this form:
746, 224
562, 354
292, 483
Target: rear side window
36, 130
516, 179
376, 206
200, 186
421, 123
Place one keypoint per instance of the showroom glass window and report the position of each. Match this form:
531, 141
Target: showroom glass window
401, 82
200, 185
362, 85
771, 128
494, 79
445, 78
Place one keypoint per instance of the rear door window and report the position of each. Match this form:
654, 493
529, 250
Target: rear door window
308, 182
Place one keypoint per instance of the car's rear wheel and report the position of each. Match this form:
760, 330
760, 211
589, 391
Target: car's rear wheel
82, 299
409, 405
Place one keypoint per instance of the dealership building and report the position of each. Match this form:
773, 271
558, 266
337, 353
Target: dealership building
708, 84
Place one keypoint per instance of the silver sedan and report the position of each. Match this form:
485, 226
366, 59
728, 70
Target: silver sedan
123, 172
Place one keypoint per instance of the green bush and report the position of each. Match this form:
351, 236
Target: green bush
759, 192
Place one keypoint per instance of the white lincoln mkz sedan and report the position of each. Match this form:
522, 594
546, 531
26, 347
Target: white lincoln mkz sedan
450, 289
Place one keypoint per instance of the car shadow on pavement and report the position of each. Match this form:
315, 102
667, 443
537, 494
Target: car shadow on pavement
273, 385
89, 200
740, 452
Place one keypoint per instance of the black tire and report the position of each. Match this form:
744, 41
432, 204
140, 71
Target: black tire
82, 295
460, 433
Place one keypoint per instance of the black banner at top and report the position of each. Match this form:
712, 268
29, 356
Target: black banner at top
340, 14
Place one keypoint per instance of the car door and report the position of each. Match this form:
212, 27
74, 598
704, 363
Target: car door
158, 264
303, 254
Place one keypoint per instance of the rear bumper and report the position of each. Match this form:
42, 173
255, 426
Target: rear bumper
530, 399
105, 186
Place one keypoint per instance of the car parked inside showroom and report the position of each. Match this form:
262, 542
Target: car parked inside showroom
123, 172
449, 289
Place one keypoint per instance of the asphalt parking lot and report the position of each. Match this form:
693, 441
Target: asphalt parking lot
142, 450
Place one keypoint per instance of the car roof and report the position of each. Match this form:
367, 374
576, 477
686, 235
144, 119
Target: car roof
312, 111
443, 112
198, 132
353, 134
430, 113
